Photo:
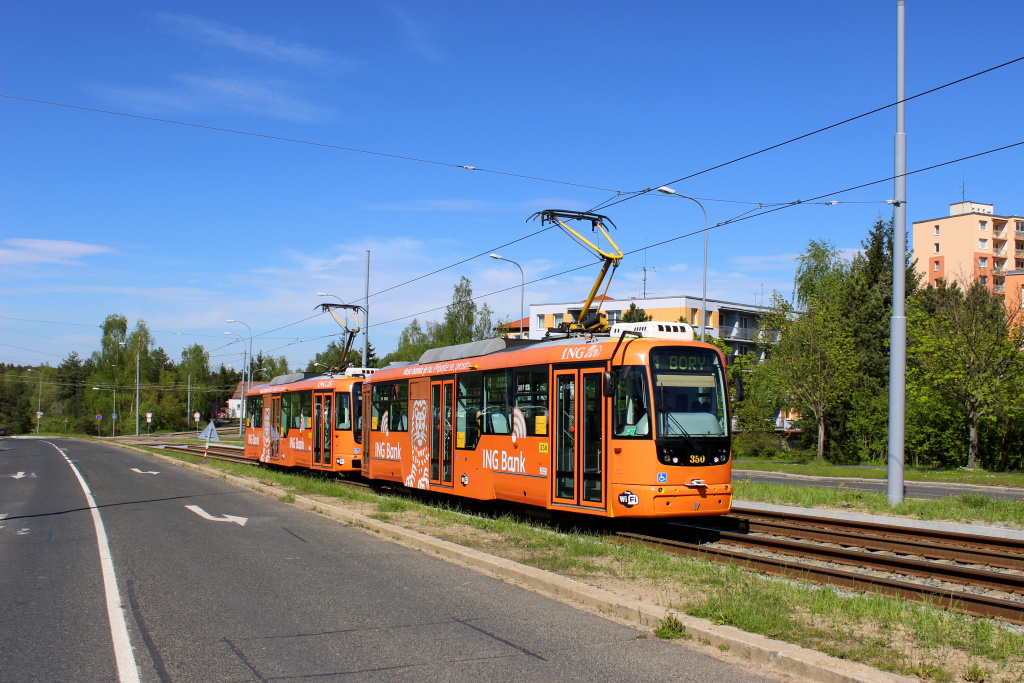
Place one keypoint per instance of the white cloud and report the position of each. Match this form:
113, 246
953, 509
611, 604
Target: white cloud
419, 40
238, 39
264, 97
25, 251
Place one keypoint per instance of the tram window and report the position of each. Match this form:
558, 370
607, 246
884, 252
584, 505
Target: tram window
400, 408
531, 398
631, 405
296, 409
357, 410
496, 408
469, 417
254, 411
390, 401
689, 392
342, 413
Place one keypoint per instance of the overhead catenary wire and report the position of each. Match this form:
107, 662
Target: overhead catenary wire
619, 195
402, 157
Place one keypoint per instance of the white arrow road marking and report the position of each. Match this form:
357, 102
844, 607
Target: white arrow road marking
240, 521
136, 469
22, 475
23, 532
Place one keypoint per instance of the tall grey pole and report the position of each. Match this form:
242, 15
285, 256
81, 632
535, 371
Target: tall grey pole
898, 324
136, 392
39, 406
366, 313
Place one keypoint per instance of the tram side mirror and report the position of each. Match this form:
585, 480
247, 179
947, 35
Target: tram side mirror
609, 384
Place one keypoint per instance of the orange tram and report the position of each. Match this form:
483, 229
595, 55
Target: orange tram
634, 424
307, 420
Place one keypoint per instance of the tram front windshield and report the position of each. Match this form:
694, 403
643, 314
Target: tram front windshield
689, 396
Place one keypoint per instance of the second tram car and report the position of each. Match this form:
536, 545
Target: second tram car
307, 420
634, 424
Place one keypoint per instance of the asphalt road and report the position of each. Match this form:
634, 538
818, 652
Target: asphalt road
242, 588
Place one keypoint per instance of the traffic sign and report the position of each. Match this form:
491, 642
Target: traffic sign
195, 416
99, 417
39, 413
149, 417
114, 416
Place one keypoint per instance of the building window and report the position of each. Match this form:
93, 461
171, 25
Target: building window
936, 247
982, 225
540, 322
982, 244
1020, 264
557, 319
983, 262
1020, 225
983, 279
935, 266
936, 230
744, 322
614, 317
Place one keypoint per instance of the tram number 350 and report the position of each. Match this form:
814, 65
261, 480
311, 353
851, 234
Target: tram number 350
696, 459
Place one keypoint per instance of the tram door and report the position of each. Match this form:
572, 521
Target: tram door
322, 423
442, 410
578, 456
274, 431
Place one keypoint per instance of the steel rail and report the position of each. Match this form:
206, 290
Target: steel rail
891, 530
932, 550
968, 603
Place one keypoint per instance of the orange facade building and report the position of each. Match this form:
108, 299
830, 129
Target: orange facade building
972, 243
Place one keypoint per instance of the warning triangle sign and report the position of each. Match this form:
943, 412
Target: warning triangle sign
210, 433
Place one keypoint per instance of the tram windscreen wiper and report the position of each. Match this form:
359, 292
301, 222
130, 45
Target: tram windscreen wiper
669, 417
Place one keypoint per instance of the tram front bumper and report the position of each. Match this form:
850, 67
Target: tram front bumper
671, 501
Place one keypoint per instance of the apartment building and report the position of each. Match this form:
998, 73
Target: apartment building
733, 322
974, 243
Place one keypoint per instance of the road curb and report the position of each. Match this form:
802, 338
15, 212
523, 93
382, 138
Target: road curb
771, 654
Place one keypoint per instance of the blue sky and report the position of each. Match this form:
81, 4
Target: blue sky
185, 226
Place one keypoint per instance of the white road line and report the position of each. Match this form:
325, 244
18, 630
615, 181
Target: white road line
127, 669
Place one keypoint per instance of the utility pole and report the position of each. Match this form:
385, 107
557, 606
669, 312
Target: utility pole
366, 313
898, 323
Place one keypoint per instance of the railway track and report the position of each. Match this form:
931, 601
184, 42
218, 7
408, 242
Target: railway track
980, 576
976, 575
217, 452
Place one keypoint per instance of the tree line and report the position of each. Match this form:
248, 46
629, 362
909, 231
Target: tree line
826, 355
79, 390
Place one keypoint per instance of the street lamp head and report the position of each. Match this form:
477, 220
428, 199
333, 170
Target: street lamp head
831, 203
496, 256
322, 294
665, 189
231, 321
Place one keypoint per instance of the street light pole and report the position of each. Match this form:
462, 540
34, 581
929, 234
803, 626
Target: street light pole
114, 389
704, 287
522, 288
39, 406
245, 366
246, 383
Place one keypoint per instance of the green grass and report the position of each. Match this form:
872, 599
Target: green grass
967, 508
824, 469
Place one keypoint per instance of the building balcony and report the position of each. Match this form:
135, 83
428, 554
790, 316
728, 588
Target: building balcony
999, 289
1019, 234
737, 333
998, 270
999, 252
